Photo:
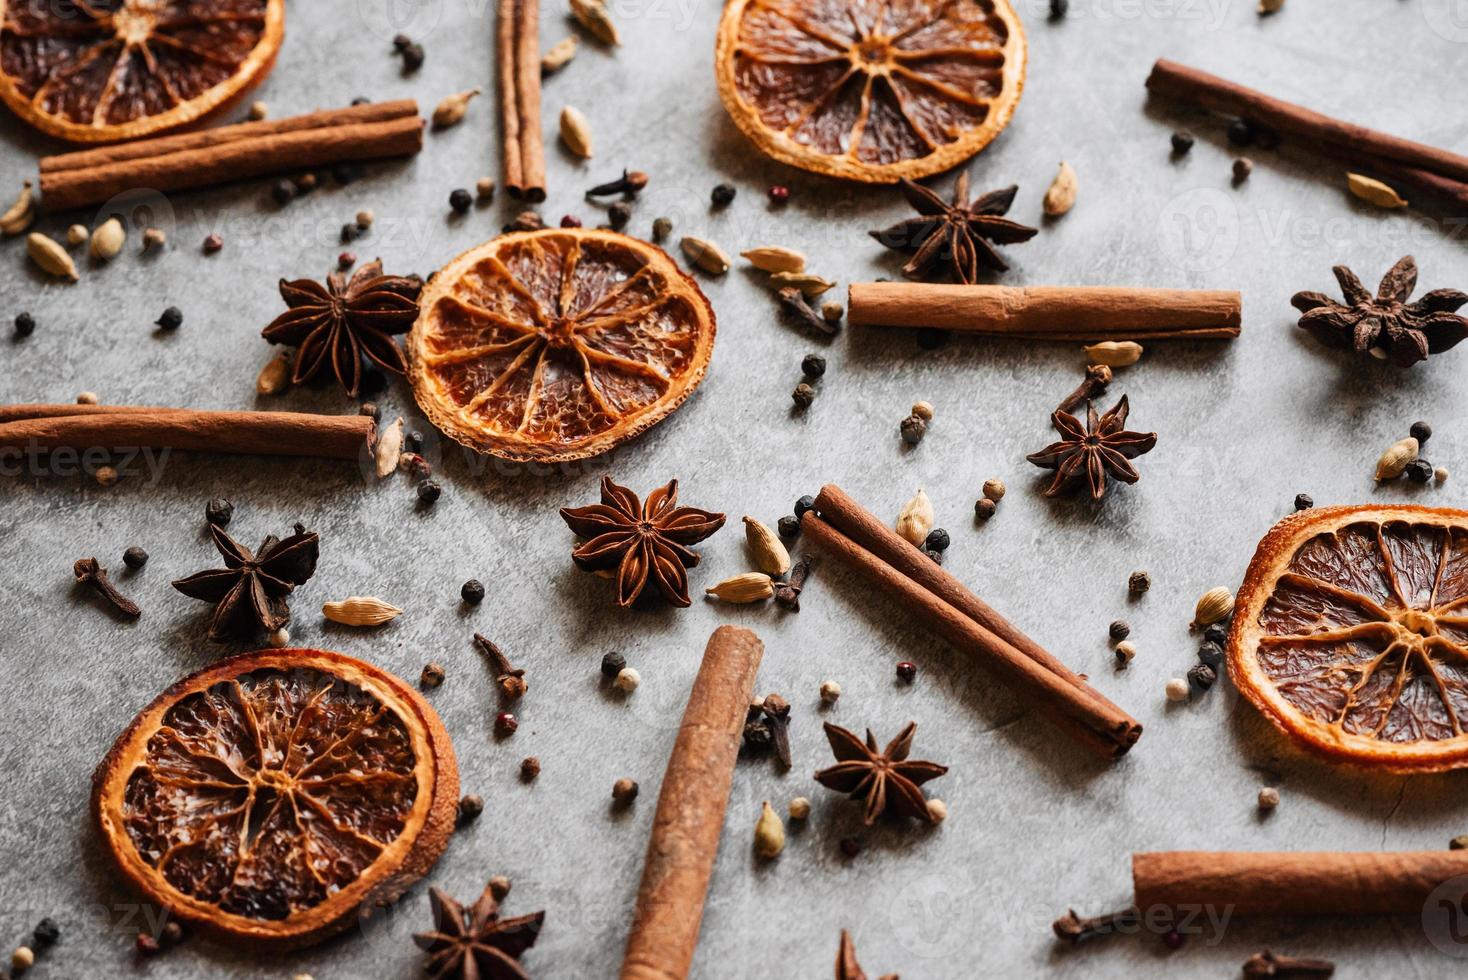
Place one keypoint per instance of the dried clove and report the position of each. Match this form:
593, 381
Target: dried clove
1098, 376
777, 714
511, 680
793, 302
1267, 964
89, 572
1076, 929
629, 183
787, 593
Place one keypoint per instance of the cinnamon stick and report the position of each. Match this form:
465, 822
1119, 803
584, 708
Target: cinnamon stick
1049, 312
690, 813
1320, 132
255, 433
228, 153
947, 609
1294, 883
519, 80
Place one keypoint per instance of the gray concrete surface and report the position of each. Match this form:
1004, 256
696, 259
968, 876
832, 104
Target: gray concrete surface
1035, 825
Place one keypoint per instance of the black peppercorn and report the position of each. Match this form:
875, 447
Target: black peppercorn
429, 491
984, 508
472, 591
1202, 676
1182, 142
1120, 629
803, 395
722, 195
804, 504
413, 56
46, 933
788, 526
913, 428
135, 558
529, 768
1419, 470
219, 512
1216, 633
937, 540
619, 214
345, 173
661, 228
850, 846
470, 807
1420, 431
350, 232
282, 191
935, 556
25, 325
1059, 8
1211, 654
1243, 167
1240, 133
171, 319
612, 664
813, 365
461, 200
907, 671
1138, 583
413, 439
1303, 501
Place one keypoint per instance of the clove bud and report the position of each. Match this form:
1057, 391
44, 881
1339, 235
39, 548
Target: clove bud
1267, 964
511, 680
89, 572
629, 183
1075, 929
794, 303
787, 593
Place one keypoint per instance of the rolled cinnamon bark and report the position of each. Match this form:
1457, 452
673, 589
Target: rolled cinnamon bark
519, 81
217, 156
257, 433
1291, 883
1320, 132
1049, 312
690, 813
41, 410
1072, 704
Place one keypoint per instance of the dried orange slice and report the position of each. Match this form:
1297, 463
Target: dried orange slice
270, 798
557, 345
871, 90
97, 71
1351, 634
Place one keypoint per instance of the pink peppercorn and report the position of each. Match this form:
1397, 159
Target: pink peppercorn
346, 260
570, 221
779, 193
506, 723
213, 243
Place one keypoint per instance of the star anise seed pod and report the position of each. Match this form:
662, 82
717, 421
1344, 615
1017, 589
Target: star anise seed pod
847, 968
250, 591
642, 541
1101, 449
960, 236
345, 320
1385, 326
886, 779
475, 943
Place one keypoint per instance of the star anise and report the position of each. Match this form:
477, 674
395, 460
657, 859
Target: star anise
886, 780
957, 235
642, 541
475, 943
250, 592
1386, 326
1101, 449
345, 320
847, 968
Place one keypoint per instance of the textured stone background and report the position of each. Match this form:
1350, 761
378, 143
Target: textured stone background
1035, 825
